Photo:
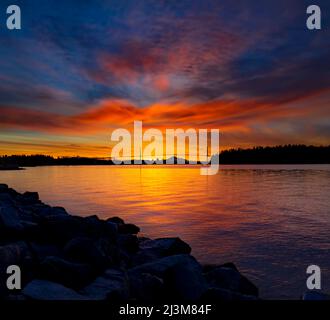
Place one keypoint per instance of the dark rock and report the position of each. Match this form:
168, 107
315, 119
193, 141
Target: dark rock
231, 279
93, 220
146, 288
63, 228
44, 214
128, 228
27, 214
27, 225
315, 296
14, 253
229, 265
60, 210
3, 187
85, 250
40, 250
116, 220
128, 243
169, 246
210, 267
182, 275
110, 251
47, 290
112, 285
10, 192
146, 256
69, 274
59, 230
44, 211
6, 200
113, 227
160, 266
142, 239
185, 282
33, 196
9, 220
151, 250
124, 260
28, 198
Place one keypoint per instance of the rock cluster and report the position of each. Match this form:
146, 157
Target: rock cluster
65, 257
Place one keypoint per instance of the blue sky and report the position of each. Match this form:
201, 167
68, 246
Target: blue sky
79, 68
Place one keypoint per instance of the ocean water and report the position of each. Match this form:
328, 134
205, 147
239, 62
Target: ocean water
271, 221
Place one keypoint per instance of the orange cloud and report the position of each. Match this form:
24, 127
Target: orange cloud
223, 114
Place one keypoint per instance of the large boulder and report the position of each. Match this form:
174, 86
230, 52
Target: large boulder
14, 253
41, 251
116, 220
87, 251
3, 187
146, 288
168, 246
28, 198
48, 212
128, 228
160, 266
63, 228
9, 220
69, 274
6, 200
128, 243
231, 279
185, 281
33, 196
182, 276
151, 250
47, 290
112, 285
13, 194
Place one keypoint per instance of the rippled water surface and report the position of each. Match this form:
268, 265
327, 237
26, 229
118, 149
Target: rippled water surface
271, 221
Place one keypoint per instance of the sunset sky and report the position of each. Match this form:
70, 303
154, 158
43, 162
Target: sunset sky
79, 69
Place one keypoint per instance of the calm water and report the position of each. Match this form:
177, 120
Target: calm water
271, 221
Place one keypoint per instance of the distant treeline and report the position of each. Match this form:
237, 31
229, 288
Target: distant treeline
288, 154
43, 160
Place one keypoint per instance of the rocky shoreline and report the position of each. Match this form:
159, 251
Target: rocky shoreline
65, 257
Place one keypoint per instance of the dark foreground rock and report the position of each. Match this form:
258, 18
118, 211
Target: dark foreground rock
112, 285
231, 279
65, 257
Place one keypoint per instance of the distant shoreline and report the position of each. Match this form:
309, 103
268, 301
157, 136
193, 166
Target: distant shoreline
285, 155
164, 164
10, 168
